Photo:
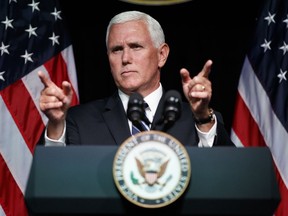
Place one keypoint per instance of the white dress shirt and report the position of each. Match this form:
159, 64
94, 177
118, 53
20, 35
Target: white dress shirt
206, 139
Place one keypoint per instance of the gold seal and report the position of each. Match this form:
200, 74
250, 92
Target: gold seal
151, 169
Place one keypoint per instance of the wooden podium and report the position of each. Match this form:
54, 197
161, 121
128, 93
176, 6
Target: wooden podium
78, 180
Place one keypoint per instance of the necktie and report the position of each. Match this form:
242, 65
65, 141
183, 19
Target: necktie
141, 125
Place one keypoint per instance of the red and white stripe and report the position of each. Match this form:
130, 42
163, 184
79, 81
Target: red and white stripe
255, 124
21, 124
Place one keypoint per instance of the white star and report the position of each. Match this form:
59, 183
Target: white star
282, 75
8, 23
284, 48
34, 5
56, 14
1, 75
31, 31
266, 45
286, 21
270, 18
4, 49
54, 39
27, 56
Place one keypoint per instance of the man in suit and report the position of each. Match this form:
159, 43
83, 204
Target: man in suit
137, 51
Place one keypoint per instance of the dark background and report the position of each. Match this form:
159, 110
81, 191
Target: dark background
195, 31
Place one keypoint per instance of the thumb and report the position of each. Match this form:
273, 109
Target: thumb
67, 88
185, 76
68, 92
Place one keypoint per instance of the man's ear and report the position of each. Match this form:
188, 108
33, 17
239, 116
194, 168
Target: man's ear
163, 54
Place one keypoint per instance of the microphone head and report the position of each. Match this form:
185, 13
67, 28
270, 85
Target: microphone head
172, 106
135, 109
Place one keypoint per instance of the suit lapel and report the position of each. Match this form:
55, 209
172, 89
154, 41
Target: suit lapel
116, 120
158, 115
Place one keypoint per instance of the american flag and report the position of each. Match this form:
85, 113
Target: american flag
32, 38
261, 109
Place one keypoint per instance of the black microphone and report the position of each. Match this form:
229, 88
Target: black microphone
136, 110
172, 108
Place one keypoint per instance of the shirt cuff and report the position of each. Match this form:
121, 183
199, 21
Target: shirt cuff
206, 139
59, 142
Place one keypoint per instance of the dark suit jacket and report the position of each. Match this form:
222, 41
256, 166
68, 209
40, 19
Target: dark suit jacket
104, 122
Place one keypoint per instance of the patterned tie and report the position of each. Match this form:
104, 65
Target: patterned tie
138, 128
142, 125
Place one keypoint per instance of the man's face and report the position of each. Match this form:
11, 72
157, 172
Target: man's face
134, 61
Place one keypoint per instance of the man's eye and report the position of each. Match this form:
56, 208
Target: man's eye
136, 47
115, 50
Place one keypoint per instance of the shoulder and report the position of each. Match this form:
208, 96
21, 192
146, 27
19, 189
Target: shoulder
88, 108
98, 105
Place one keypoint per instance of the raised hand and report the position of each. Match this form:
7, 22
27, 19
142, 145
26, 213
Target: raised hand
198, 90
54, 102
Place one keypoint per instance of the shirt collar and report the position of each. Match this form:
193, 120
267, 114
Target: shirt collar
152, 99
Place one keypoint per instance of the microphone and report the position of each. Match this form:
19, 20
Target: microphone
136, 110
172, 108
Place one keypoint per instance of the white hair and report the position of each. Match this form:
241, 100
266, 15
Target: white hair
154, 27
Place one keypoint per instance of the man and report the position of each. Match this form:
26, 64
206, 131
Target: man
137, 51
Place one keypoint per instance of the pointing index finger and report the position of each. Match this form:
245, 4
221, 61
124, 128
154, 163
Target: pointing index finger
44, 79
206, 69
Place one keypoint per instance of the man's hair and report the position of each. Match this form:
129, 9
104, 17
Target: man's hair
154, 27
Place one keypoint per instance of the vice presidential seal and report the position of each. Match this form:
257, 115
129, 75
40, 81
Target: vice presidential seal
151, 169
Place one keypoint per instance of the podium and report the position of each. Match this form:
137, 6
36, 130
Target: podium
78, 180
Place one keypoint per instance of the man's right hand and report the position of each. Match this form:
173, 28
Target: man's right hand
54, 103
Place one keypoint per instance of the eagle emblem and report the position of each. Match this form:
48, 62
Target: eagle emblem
151, 167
